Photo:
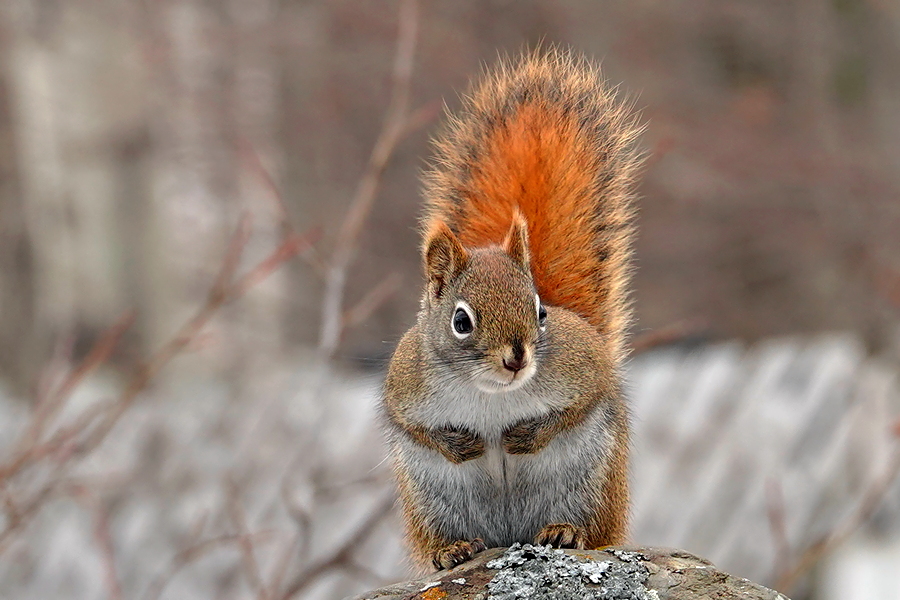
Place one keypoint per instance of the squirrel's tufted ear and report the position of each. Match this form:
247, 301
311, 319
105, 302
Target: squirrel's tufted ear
516, 242
445, 257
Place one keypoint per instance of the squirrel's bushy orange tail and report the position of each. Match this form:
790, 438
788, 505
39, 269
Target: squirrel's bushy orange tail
546, 135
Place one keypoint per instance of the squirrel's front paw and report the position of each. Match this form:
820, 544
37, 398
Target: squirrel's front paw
456, 553
561, 535
523, 438
459, 445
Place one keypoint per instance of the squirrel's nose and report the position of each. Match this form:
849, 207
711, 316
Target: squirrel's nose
514, 364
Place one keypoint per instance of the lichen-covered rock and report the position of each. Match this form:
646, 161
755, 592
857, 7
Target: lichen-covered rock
542, 573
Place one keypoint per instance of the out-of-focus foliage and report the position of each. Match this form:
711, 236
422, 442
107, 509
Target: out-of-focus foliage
769, 201
134, 134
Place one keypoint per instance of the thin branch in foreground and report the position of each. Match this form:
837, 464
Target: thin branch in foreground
194, 552
252, 159
373, 299
871, 500
90, 428
343, 555
218, 297
50, 406
103, 538
395, 125
248, 557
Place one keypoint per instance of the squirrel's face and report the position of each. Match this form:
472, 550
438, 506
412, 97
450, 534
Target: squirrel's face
484, 321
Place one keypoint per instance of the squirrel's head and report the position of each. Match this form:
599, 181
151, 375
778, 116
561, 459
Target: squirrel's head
483, 319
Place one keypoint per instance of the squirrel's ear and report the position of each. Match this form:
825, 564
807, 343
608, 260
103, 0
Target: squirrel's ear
516, 242
445, 257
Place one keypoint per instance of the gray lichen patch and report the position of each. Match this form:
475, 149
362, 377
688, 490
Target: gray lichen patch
542, 573
627, 555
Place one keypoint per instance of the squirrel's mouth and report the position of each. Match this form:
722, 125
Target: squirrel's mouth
495, 382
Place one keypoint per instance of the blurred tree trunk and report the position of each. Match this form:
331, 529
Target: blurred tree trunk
77, 93
46, 214
18, 345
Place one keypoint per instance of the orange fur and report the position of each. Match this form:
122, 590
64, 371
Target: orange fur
546, 136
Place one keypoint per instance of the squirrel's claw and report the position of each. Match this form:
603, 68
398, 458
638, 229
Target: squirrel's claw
561, 535
456, 553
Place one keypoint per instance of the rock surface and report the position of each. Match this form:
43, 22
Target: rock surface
541, 573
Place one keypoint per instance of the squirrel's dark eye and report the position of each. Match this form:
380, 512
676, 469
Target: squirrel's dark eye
541, 312
462, 323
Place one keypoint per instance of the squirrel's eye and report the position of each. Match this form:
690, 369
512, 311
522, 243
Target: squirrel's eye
463, 323
542, 312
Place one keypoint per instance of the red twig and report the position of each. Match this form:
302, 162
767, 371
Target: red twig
28, 448
252, 159
91, 427
293, 245
103, 538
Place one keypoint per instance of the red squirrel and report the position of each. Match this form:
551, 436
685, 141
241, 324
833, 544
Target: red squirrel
503, 403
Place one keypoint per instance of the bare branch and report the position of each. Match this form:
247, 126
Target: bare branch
103, 538
245, 543
50, 406
343, 555
369, 303
194, 552
293, 245
252, 158
393, 128
91, 427
871, 500
300, 516
421, 117
231, 262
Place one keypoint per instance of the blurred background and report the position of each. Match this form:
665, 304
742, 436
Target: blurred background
225, 444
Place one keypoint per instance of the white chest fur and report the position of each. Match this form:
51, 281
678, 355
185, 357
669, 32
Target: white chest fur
481, 412
504, 498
